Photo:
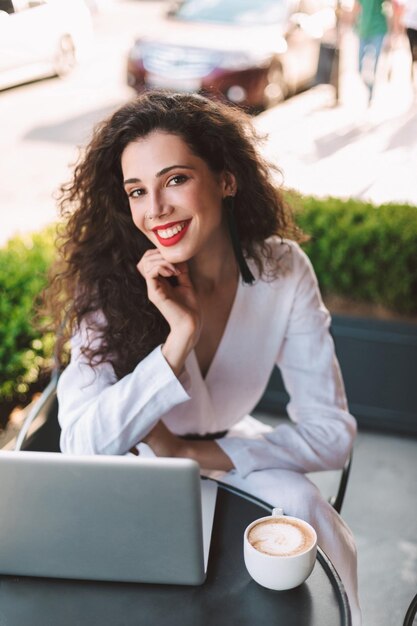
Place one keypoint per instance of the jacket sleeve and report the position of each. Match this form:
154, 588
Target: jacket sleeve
322, 431
99, 414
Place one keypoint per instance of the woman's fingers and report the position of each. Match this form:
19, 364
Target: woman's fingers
176, 300
183, 275
152, 265
161, 270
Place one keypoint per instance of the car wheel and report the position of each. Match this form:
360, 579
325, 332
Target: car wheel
276, 89
65, 59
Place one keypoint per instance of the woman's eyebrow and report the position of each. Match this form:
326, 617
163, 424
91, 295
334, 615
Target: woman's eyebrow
165, 170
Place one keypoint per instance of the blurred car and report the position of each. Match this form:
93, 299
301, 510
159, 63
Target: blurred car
252, 52
40, 38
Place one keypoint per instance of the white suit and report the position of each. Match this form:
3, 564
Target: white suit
278, 321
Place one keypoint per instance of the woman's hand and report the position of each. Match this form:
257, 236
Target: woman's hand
176, 302
207, 453
163, 442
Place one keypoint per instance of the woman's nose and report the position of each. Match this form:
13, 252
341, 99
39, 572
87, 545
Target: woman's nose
156, 207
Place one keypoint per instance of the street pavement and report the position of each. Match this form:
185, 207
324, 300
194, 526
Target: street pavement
350, 149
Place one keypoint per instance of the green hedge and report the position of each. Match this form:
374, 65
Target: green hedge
24, 262
364, 252
361, 251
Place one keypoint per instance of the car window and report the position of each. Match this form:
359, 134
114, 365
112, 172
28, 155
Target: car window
232, 11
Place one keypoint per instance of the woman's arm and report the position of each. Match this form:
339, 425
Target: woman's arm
177, 303
322, 430
207, 453
99, 414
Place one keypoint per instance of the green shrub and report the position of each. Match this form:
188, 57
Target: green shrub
361, 251
24, 263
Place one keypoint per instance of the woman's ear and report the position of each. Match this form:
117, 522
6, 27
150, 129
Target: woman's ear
229, 184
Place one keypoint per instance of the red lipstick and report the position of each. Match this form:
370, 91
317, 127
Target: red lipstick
171, 241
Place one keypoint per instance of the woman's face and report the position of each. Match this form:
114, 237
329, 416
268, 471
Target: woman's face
174, 197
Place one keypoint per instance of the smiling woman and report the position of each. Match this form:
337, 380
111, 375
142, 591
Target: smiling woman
175, 199
182, 285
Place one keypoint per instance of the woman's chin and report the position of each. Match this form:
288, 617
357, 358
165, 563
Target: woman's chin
175, 256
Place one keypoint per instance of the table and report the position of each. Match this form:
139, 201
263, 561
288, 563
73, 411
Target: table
228, 597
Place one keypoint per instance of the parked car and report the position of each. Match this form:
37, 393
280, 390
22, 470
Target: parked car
253, 52
40, 38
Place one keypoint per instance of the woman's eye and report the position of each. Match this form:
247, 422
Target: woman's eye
135, 193
178, 179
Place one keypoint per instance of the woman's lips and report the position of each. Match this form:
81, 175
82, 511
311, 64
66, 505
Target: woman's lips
172, 233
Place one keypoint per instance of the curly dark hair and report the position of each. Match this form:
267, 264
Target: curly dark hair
99, 246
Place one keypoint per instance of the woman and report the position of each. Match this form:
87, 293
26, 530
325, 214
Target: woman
176, 330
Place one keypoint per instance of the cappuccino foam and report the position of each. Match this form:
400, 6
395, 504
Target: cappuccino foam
281, 537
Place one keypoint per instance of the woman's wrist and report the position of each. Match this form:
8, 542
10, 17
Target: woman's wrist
208, 455
177, 347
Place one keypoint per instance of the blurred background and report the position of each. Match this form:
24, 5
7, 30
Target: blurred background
348, 163
255, 54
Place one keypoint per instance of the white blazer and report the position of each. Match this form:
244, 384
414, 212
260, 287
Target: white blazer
279, 322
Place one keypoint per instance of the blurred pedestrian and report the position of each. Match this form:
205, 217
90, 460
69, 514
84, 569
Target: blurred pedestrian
371, 27
407, 11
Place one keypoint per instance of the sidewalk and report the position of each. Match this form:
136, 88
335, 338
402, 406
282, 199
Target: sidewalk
349, 149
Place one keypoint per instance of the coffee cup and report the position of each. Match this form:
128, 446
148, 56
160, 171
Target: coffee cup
279, 550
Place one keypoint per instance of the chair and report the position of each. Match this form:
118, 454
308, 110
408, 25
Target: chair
337, 500
411, 612
42, 420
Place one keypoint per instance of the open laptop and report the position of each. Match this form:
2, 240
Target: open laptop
104, 518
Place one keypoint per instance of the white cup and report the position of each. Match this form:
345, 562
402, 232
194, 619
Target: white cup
285, 553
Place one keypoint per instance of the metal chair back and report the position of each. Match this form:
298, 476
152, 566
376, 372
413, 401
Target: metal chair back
411, 612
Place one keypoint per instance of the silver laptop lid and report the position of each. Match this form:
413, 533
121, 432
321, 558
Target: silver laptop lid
101, 518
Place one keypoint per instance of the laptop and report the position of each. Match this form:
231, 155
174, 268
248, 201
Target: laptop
110, 518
